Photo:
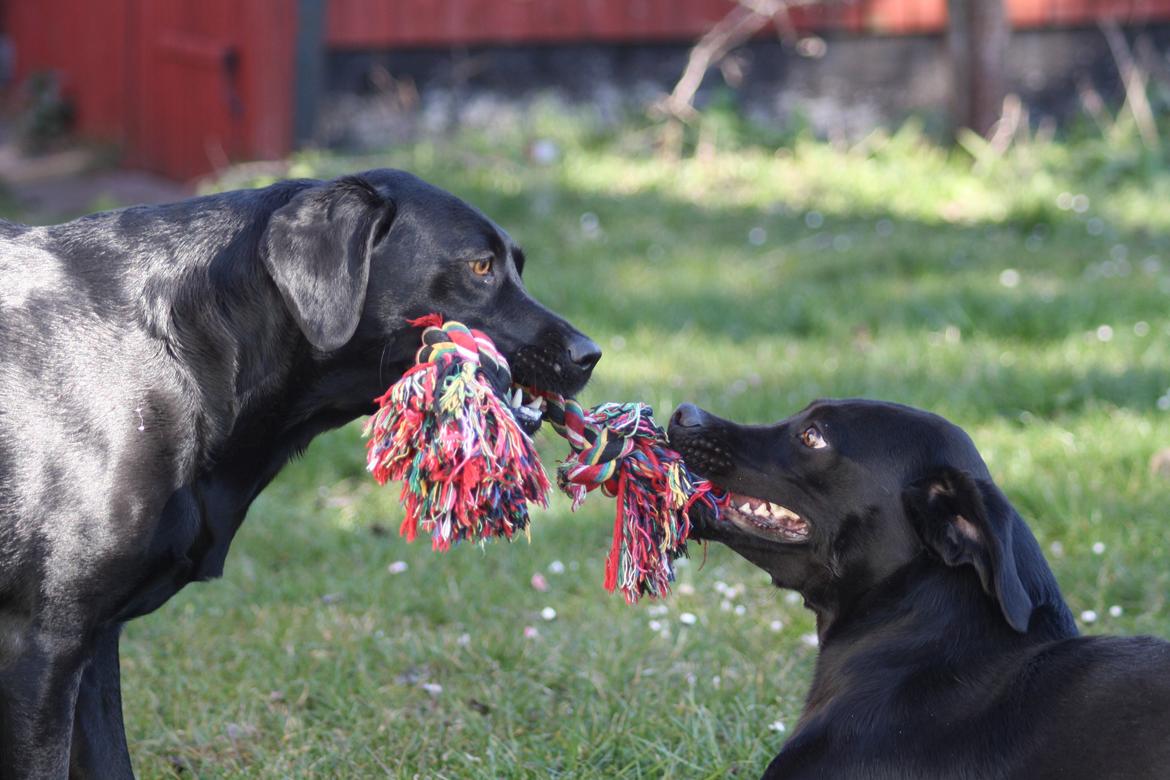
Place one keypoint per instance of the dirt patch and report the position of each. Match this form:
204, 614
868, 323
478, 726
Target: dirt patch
66, 183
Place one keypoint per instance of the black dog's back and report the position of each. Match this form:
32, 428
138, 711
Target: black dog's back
1099, 707
1084, 707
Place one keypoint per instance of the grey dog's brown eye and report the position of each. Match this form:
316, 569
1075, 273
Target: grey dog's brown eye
813, 439
481, 267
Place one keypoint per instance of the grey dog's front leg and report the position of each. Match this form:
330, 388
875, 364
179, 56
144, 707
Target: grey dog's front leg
99, 737
39, 675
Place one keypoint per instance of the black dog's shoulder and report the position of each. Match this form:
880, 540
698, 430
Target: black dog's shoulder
1127, 677
1094, 707
1080, 707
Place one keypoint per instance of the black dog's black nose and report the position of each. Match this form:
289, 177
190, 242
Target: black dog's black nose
687, 416
584, 352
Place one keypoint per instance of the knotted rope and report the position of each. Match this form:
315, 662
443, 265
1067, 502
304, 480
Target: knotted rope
619, 449
451, 448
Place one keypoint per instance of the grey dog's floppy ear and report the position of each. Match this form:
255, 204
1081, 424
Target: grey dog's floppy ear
317, 249
968, 521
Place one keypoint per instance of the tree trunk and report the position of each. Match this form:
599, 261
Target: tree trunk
977, 37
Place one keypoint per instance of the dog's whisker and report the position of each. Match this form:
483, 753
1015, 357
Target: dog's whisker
382, 362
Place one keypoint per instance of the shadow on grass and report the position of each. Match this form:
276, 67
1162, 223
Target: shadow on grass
897, 272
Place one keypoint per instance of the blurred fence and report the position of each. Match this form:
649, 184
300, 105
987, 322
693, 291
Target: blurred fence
186, 86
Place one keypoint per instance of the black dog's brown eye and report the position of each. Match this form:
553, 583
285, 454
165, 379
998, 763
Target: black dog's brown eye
813, 439
481, 267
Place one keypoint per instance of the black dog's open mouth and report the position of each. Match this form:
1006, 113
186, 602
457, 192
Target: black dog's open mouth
712, 449
527, 408
766, 519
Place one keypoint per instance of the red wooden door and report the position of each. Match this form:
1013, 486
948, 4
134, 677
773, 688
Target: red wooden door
188, 115
212, 83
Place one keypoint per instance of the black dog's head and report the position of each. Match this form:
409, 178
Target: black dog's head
356, 258
838, 497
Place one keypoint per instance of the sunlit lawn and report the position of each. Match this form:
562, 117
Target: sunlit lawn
749, 281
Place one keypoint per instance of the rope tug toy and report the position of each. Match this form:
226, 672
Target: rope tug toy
448, 430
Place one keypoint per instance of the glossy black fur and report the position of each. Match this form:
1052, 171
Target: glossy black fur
946, 649
161, 364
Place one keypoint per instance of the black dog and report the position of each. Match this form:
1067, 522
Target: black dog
947, 650
161, 364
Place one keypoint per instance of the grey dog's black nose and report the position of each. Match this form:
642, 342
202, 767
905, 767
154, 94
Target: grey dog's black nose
687, 416
584, 352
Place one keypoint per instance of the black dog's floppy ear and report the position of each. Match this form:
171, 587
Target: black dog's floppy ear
968, 521
317, 249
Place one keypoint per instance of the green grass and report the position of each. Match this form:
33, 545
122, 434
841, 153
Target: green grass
749, 281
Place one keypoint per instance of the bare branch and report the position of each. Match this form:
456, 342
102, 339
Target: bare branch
1134, 79
730, 32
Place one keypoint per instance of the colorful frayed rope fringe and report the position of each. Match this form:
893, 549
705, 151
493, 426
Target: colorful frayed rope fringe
469, 471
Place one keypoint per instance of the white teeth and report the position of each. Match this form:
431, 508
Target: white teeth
771, 520
517, 397
768, 510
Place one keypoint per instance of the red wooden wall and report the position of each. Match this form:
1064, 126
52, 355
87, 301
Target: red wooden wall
376, 23
364, 24
214, 83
